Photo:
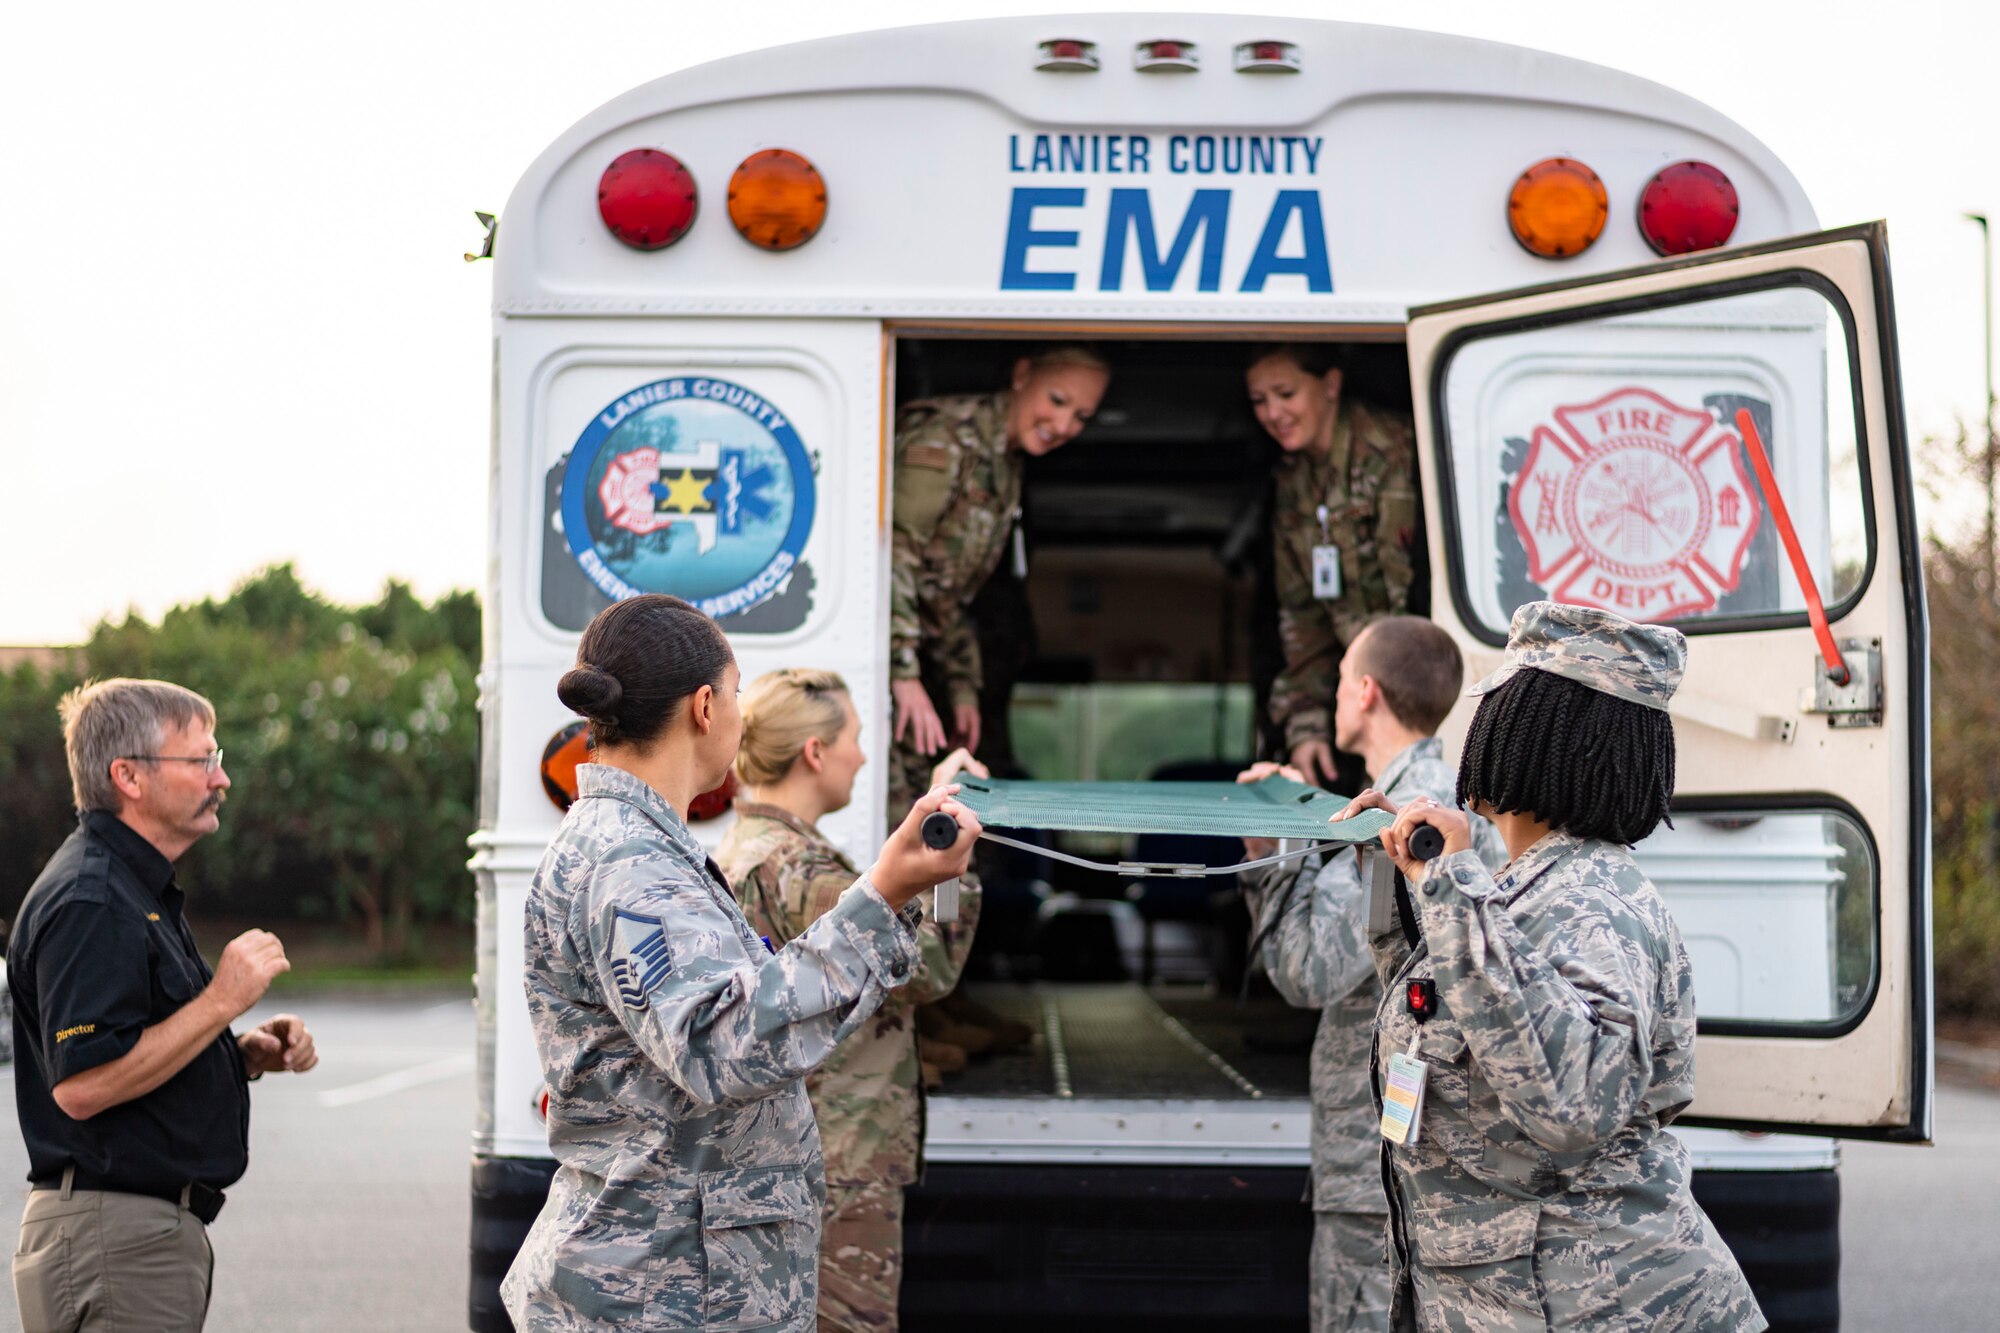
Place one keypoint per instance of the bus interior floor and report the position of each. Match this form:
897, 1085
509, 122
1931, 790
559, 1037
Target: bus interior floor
1121, 1040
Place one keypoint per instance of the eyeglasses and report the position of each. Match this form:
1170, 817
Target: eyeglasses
211, 762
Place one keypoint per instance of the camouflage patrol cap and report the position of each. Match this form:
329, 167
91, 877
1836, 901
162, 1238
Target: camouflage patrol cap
1640, 664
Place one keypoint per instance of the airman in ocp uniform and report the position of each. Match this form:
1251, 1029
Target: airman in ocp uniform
1398, 680
801, 750
958, 473
1537, 1039
673, 1042
1343, 532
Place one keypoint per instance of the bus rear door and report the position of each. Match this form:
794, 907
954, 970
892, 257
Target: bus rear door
1597, 442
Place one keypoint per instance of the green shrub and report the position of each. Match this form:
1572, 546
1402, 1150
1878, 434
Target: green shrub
352, 747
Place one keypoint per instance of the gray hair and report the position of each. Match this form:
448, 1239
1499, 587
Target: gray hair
116, 719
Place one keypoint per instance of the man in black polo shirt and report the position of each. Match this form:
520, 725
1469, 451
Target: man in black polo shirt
133, 1092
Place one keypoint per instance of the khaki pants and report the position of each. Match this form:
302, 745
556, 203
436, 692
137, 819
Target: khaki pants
94, 1261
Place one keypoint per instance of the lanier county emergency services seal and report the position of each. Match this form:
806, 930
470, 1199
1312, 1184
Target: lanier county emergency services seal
1635, 505
692, 486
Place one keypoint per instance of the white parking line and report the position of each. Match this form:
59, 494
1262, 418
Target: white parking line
400, 1080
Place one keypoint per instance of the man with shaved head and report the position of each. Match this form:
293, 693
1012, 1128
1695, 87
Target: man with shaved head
1398, 680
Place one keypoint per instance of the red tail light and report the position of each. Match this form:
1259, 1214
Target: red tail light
647, 199
711, 804
1686, 207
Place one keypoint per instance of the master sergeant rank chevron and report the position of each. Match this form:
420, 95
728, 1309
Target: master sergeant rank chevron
640, 959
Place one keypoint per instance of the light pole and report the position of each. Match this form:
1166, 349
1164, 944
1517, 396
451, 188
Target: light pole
1986, 312
1992, 574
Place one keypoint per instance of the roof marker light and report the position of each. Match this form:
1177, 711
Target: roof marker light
1267, 58
1557, 208
1071, 54
1167, 55
647, 199
1687, 206
777, 199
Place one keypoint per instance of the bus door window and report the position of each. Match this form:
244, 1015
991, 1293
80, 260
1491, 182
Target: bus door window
1594, 463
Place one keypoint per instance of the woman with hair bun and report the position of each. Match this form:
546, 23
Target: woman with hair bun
801, 750
674, 1042
1542, 1019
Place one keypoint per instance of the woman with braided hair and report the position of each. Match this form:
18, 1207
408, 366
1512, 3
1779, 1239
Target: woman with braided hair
1536, 1035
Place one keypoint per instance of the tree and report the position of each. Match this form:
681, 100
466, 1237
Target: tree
1965, 747
36, 812
351, 738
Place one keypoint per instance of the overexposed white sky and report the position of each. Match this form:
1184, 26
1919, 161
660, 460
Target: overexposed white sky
235, 328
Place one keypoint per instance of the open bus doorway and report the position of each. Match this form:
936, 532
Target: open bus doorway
1135, 638
1139, 642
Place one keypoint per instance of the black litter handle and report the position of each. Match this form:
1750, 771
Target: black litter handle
940, 831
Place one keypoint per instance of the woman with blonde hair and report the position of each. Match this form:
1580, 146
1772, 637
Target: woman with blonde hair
800, 752
960, 461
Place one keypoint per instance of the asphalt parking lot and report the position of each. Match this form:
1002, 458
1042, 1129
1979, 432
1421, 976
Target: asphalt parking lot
355, 1212
354, 1215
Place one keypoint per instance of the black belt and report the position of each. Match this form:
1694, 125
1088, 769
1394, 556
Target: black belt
199, 1199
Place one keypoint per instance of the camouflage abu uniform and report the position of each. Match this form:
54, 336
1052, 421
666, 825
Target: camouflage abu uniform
867, 1095
688, 1187
1311, 921
1544, 1190
1360, 496
958, 495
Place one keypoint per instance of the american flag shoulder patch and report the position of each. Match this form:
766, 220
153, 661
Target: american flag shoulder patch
640, 959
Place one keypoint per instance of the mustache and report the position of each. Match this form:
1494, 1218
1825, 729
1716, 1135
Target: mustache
214, 802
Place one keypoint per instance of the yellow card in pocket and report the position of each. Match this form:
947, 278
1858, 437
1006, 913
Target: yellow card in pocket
1403, 1098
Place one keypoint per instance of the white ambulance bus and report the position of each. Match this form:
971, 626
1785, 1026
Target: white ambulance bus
711, 297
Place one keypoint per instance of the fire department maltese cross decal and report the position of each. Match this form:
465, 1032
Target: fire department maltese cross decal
693, 486
1635, 505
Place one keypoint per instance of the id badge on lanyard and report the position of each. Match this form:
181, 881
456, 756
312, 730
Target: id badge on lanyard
1325, 564
1403, 1093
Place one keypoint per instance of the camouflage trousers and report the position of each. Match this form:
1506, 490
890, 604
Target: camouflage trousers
1350, 1273
860, 1257
909, 778
909, 769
